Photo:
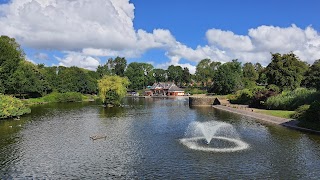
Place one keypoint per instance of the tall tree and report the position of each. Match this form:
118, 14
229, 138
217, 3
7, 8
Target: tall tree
250, 75
228, 78
140, 75
120, 64
175, 74
286, 71
186, 76
312, 78
160, 75
11, 55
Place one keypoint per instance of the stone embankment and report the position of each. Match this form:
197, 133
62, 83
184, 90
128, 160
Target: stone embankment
223, 104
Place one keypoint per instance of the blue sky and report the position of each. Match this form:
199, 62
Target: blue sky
85, 33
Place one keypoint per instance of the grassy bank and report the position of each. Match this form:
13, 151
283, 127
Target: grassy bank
60, 97
11, 107
276, 113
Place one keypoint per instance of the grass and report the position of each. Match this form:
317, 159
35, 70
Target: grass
277, 113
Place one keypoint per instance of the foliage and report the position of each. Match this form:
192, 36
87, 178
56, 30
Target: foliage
227, 79
186, 76
286, 71
160, 75
28, 79
249, 72
291, 100
243, 96
312, 79
195, 91
205, 71
140, 75
310, 118
71, 79
175, 74
56, 97
10, 56
12, 107
112, 89
260, 96
300, 112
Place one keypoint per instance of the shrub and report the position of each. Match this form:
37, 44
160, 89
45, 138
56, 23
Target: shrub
63, 97
242, 97
290, 100
300, 112
12, 107
313, 113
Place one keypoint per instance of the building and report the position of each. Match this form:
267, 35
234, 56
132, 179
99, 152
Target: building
165, 89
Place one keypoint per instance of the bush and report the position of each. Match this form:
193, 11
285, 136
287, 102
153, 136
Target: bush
300, 112
57, 97
310, 117
290, 100
12, 107
63, 97
242, 97
313, 113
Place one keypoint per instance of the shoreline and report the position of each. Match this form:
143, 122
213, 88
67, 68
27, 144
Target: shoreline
288, 123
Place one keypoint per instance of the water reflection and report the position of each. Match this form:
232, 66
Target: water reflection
142, 141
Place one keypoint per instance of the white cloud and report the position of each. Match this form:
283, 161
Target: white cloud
70, 25
105, 28
229, 40
79, 60
41, 56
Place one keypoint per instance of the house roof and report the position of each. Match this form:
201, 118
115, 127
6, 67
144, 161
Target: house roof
170, 86
162, 85
175, 88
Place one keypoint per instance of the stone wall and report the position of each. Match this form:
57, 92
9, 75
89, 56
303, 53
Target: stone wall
201, 101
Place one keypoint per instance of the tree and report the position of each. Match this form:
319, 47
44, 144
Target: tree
250, 75
120, 65
28, 79
204, 72
227, 78
140, 75
186, 76
286, 71
112, 89
160, 75
175, 74
10, 56
312, 78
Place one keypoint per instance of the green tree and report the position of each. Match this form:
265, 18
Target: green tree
286, 71
312, 78
28, 79
120, 64
112, 89
140, 75
204, 72
250, 75
10, 56
175, 74
228, 78
160, 75
186, 76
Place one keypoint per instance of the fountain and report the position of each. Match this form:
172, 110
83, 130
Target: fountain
213, 136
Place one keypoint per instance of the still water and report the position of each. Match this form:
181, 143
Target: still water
146, 139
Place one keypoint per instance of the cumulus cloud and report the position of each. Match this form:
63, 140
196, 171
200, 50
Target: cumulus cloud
87, 29
41, 56
79, 60
70, 25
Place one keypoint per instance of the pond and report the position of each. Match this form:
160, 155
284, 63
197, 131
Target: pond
152, 138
